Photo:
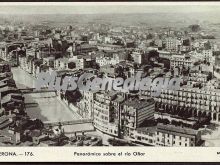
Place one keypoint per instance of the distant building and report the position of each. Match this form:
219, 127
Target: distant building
164, 54
172, 44
137, 57
107, 60
108, 47
208, 56
181, 61
61, 63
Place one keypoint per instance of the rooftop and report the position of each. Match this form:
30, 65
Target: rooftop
147, 129
139, 103
176, 129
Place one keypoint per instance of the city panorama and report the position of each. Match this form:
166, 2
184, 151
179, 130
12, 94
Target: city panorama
110, 75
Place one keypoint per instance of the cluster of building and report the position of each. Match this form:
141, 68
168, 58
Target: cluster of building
131, 118
17, 128
108, 51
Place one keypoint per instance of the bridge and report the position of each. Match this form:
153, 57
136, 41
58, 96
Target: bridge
30, 105
72, 122
76, 132
33, 90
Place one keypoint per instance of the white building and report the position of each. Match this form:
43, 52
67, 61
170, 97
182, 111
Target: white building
137, 56
181, 61
61, 63
107, 60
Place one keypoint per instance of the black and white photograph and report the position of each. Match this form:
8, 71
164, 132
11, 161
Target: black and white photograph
109, 74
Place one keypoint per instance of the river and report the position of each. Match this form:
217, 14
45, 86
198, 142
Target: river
49, 107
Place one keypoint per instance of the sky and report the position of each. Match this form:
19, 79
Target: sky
106, 8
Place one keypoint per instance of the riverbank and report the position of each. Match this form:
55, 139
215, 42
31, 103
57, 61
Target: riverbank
49, 107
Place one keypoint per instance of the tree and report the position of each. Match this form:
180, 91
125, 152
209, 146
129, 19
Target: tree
176, 123
166, 62
210, 76
129, 57
153, 55
65, 46
194, 28
166, 121
95, 66
148, 123
119, 71
73, 96
196, 63
181, 112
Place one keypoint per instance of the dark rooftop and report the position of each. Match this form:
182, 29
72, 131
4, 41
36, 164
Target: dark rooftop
138, 103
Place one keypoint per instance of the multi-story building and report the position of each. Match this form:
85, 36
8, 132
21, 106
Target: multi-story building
172, 44
134, 112
181, 61
10, 97
175, 136
49, 61
108, 70
86, 104
185, 45
61, 63
137, 57
144, 136
208, 55
202, 102
197, 78
3, 52
106, 112
165, 54
23, 62
86, 48
108, 47
107, 60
